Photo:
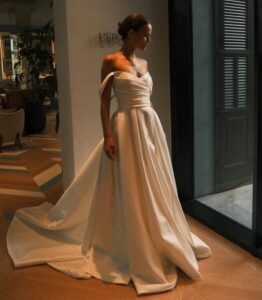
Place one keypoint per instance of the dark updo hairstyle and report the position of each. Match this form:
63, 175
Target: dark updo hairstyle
134, 21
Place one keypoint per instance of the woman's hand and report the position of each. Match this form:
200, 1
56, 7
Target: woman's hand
110, 148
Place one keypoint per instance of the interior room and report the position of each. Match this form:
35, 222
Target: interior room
204, 58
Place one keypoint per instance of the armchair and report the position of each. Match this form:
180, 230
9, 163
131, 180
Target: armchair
11, 127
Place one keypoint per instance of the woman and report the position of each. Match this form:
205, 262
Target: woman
136, 33
121, 218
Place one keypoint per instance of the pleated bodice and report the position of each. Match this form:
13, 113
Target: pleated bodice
130, 91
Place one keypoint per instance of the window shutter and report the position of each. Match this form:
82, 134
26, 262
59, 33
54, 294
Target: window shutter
236, 54
235, 24
234, 101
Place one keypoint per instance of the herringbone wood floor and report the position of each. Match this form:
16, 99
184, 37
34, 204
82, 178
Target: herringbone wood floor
230, 274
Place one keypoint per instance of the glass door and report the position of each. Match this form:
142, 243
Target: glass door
224, 107
216, 115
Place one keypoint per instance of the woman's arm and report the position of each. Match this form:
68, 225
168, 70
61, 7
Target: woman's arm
109, 144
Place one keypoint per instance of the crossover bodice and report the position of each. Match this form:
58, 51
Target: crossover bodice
130, 91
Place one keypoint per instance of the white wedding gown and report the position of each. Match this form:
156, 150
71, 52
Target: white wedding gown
117, 221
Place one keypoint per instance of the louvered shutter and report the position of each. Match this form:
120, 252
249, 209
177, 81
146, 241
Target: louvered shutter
236, 57
235, 24
233, 93
229, 82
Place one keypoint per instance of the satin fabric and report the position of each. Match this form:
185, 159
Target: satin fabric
117, 221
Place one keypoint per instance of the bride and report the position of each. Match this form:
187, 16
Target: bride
121, 218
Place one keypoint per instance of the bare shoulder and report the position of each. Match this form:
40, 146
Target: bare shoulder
108, 64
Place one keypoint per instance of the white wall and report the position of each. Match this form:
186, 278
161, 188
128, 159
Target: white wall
79, 57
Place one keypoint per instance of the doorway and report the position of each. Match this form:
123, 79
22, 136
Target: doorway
215, 115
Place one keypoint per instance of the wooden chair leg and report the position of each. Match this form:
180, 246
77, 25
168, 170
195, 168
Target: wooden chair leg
1, 142
17, 140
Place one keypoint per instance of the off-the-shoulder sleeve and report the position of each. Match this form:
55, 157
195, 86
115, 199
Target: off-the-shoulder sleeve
103, 84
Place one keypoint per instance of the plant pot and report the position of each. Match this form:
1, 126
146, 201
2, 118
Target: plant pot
35, 117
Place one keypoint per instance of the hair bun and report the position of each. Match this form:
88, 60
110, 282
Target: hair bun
120, 29
133, 21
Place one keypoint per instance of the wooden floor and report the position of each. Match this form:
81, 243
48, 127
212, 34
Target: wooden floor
230, 274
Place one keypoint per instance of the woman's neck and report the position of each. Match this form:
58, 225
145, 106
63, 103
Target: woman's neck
128, 51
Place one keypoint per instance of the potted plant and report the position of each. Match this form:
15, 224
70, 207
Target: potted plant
34, 50
18, 75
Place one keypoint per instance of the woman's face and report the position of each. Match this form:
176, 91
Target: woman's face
143, 36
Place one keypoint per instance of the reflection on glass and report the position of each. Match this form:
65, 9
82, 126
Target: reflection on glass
223, 109
8, 54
